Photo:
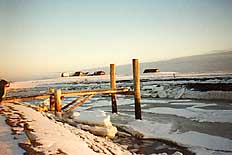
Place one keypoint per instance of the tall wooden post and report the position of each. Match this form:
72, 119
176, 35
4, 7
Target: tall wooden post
113, 86
51, 99
58, 107
137, 96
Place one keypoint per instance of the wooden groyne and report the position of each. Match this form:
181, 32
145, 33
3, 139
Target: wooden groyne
56, 96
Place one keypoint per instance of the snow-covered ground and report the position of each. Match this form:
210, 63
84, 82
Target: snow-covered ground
8, 146
47, 136
202, 125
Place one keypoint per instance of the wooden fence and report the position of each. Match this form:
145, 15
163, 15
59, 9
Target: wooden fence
56, 96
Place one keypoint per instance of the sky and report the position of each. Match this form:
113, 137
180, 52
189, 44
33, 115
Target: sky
38, 37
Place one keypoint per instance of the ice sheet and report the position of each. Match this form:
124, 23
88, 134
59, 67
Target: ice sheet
196, 114
198, 142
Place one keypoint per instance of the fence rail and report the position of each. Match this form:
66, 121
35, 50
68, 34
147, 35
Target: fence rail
56, 96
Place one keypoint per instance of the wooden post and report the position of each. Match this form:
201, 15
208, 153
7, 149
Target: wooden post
58, 106
51, 98
113, 86
137, 96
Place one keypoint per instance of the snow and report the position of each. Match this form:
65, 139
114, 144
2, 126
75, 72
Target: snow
200, 143
151, 129
52, 136
36, 83
92, 118
197, 139
144, 100
148, 85
170, 89
226, 95
98, 123
195, 104
8, 146
195, 114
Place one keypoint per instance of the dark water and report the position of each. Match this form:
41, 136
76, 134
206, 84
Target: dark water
150, 146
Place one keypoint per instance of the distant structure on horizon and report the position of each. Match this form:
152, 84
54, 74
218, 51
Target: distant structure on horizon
80, 73
99, 73
65, 74
151, 70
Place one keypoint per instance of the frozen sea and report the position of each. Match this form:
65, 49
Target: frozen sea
204, 126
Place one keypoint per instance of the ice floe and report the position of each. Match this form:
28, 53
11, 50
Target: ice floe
198, 142
196, 114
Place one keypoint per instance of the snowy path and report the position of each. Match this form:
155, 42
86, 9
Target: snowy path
51, 137
8, 146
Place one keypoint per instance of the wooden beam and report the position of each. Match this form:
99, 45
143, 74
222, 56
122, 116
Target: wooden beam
71, 103
97, 91
85, 92
34, 97
113, 86
79, 104
137, 96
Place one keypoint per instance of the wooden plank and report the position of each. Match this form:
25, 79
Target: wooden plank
34, 97
129, 93
137, 96
79, 104
97, 91
113, 86
85, 92
71, 103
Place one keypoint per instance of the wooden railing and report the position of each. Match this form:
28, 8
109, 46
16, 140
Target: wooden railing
56, 96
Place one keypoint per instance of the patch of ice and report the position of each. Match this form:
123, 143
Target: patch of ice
151, 129
188, 103
154, 101
202, 105
197, 139
194, 104
141, 105
179, 100
198, 142
204, 151
172, 111
124, 101
196, 114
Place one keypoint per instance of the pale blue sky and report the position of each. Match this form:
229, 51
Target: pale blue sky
42, 36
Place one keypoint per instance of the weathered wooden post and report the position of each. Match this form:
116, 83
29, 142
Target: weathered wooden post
51, 99
137, 96
58, 107
113, 86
